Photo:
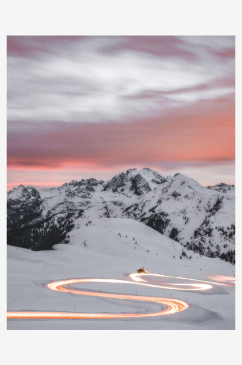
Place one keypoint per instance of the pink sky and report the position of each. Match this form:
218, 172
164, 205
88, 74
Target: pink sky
82, 107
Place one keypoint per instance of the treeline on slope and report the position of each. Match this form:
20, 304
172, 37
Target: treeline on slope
157, 221
199, 248
23, 214
45, 234
229, 256
42, 235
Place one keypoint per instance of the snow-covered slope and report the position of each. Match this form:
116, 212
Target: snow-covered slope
200, 218
113, 248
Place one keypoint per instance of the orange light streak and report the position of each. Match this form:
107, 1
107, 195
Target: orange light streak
171, 286
173, 305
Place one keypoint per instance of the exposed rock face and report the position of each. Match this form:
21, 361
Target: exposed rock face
116, 182
222, 188
33, 192
130, 170
89, 187
159, 181
92, 182
82, 182
139, 185
73, 182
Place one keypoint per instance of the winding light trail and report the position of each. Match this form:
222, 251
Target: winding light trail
173, 305
136, 277
172, 286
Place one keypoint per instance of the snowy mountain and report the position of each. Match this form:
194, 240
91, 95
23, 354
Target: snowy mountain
135, 181
202, 219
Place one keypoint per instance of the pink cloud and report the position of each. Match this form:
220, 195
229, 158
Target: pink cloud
28, 46
203, 131
103, 103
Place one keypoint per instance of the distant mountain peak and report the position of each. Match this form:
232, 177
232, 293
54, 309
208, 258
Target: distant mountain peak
130, 170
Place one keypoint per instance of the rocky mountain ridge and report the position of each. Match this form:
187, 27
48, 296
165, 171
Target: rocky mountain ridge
200, 218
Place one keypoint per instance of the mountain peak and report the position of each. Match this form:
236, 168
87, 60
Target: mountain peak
130, 170
22, 192
18, 193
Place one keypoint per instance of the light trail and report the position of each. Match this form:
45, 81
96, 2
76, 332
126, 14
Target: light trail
171, 286
136, 277
223, 278
173, 305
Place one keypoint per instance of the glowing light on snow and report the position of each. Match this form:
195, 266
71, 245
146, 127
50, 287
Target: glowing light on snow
222, 278
171, 286
172, 305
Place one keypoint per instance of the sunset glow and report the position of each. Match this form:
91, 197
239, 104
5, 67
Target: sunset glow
81, 107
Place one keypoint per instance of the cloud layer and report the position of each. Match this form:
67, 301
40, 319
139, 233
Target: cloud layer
99, 103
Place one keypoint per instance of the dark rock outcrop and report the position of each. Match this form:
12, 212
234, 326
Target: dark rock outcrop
139, 185
116, 182
89, 187
82, 182
159, 181
130, 170
92, 182
222, 188
159, 221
